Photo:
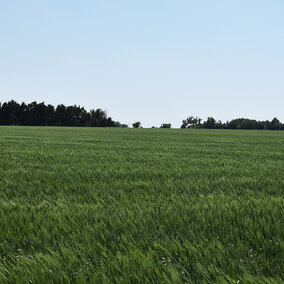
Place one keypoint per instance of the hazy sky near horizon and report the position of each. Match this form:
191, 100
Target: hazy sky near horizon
149, 61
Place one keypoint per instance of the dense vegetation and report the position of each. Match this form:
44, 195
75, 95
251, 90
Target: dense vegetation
239, 123
106, 205
40, 114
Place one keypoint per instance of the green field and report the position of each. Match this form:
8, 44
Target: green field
105, 205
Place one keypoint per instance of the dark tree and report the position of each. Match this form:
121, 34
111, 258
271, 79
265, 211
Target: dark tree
275, 124
12, 113
136, 124
166, 125
210, 123
191, 122
239, 123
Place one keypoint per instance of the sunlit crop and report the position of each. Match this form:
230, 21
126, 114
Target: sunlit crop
141, 205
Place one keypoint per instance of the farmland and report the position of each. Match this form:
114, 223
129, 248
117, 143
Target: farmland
111, 205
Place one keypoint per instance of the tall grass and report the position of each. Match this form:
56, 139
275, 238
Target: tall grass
141, 205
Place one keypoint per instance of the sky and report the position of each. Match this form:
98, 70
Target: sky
154, 61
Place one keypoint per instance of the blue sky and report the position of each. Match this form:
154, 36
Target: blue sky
153, 61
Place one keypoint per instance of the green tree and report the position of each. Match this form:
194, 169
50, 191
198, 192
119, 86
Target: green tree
210, 123
166, 125
275, 124
190, 122
136, 124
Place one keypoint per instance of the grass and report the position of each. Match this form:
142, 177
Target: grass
141, 205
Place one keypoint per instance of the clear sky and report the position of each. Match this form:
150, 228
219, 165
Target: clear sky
152, 61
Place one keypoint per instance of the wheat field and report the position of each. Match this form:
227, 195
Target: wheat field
106, 205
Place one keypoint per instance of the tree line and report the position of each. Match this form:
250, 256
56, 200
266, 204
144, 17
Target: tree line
40, 114
239, 123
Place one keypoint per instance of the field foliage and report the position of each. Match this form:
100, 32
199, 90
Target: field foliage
141, 205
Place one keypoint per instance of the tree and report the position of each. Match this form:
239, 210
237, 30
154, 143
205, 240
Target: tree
136, 124
260, 125
99, 118
209, 123
219, 125
275, 124
190, 122
12, 113
166, 125
239, 123
117, 124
